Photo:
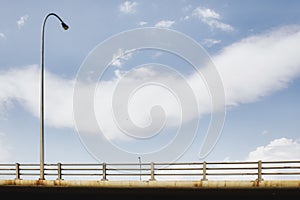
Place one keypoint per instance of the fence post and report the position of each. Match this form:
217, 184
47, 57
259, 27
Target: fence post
204, 172
259, 172
104, 172
59, 174
17, 171
152, 172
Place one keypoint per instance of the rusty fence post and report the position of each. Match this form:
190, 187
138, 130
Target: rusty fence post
259, 171
59, 174
17, 171
152, 172
104, 172
204, 172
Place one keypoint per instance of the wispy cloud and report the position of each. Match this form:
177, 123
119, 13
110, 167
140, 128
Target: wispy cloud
250, 69
142, 23
259, 65
128, 7
22, 20
119, 57
164, 24
209, 42
206, 13
211, 18
2, 36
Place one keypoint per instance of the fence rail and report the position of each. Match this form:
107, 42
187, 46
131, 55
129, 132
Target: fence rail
154, 171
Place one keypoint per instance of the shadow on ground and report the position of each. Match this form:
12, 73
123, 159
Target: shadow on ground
179, 193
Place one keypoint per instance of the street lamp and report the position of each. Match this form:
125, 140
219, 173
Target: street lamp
65, 26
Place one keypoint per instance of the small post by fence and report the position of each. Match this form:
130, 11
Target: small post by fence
204, 172
17, 171
104, 172
152, 172
259, 172
59, 174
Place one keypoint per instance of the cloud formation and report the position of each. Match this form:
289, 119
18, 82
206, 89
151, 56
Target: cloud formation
128, 7
250, 69
22, 20
22, 85
2, 36
120, 57
211, 18
142, 23
259, 65
209, 42
164, 24
278, 149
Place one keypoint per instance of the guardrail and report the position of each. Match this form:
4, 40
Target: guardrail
154, 171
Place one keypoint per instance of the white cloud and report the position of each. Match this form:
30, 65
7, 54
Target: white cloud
164, 24
22, 20
282, 149
210, 42
278, 149
128, 7
120, 56
217, 24
185, 18
2, 36
141, 101
118, 73
22, 85
211, 18
142, 23
206, 13
259, 65
250, 69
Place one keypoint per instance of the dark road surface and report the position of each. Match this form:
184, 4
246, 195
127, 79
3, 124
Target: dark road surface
180, 193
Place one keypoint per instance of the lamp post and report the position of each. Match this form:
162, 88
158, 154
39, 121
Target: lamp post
65, 27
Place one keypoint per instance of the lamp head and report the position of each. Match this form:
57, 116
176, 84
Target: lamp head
65, 26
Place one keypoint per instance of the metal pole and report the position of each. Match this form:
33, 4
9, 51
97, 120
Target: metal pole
104, 172
204, 172
140, 168
259, 172
152, 172
59, 173
17, 171
65, 26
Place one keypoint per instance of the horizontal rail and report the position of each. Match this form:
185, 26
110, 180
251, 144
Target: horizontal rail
152, 171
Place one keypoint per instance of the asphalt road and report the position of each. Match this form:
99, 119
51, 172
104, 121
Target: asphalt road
177, 193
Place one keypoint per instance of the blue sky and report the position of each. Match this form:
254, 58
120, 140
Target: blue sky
253, 45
